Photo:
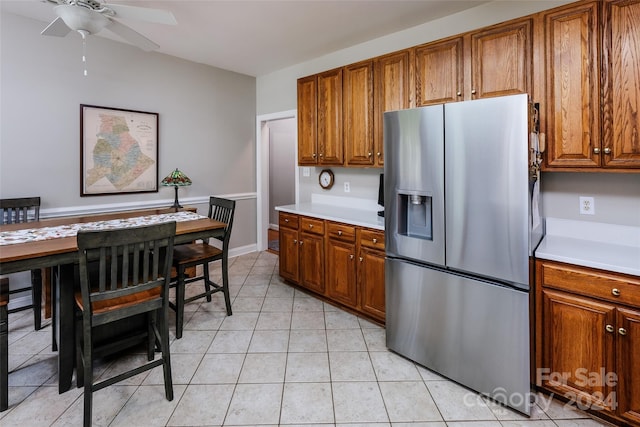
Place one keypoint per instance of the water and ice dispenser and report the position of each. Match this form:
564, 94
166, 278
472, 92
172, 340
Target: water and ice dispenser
415, 217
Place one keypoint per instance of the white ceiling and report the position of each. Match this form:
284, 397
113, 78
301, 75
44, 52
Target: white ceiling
256, 37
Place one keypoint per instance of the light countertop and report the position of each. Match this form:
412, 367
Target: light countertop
590, 244
360, 217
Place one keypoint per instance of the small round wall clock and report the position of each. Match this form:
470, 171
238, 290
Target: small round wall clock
326, 179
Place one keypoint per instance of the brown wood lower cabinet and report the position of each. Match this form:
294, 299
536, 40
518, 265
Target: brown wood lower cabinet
587, 339
342, 263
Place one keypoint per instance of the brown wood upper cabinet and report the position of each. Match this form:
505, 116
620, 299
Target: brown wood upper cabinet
392, 91
572, 83
320, 119
439, 72
358, 113
495, 61
501, 60
330, 146
308, 120
621, 84
593, 53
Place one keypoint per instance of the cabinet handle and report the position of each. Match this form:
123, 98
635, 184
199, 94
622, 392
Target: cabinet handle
374, 240
622, 331
339, 232
370, 153
615, 292
301, 242
379, 154
286, 220
313, 155
361, 259
350, 256
295, 241
459, 93
310, 225
320, 154
609, 328
473, 91
596, 150
607, 150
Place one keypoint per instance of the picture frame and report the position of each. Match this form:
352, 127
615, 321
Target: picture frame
118, 151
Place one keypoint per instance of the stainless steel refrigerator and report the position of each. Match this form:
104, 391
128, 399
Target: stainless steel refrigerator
461, 225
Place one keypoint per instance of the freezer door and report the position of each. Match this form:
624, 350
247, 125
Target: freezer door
486, 190
414, 184
472, 332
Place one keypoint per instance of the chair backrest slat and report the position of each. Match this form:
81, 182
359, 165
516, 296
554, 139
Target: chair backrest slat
18, 210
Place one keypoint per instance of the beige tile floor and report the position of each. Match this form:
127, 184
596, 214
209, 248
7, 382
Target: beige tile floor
283, 358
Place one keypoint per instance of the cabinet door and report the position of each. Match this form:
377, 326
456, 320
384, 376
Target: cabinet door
330, 145
439, 71
501, 60
371, 283
392, 92
307, 121
621, 76
573, 107
628, 336
289, 254
341, 272
312, 262
577, 335
357, 125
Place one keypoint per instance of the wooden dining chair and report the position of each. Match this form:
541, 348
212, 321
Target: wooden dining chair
201, 254
20, 210
4, 344
123, 273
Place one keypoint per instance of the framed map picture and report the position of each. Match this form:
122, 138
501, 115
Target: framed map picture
118, 151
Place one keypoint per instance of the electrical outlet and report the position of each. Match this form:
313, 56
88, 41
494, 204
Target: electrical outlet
587, 206
347, 187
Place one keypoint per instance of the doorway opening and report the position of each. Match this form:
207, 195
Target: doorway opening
277, 175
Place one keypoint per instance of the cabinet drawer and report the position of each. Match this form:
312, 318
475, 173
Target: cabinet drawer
372, 239
596, 284
289, 220
311, 225
342, 232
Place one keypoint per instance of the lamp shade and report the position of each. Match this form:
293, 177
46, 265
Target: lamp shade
177, 178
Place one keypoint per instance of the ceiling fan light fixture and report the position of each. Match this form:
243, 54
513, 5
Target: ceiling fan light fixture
80, 18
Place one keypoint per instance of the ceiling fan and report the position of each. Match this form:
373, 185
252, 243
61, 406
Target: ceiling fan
92, 16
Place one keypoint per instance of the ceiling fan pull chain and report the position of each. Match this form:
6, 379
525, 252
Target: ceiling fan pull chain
84, 50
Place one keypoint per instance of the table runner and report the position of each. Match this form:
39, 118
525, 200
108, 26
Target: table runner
45, 233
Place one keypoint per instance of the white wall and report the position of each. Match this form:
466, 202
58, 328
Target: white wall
206, 121
617, 195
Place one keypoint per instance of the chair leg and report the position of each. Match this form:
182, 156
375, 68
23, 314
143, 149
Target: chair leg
54, 317
180, 290
151, 337
36, 297
88, 378
207, 280
225, 283
4, 358
163, 327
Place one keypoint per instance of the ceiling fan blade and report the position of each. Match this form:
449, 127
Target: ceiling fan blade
57, 28
158, 16
131, 36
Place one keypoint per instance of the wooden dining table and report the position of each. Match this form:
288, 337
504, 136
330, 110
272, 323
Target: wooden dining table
62, 254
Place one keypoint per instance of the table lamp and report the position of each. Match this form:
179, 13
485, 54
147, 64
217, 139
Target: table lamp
177, 178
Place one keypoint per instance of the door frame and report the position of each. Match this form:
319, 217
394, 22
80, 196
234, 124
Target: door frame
262, 172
